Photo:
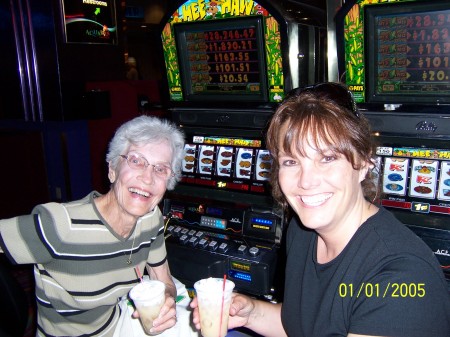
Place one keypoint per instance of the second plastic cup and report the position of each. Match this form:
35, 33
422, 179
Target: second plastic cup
214, 305
148, 297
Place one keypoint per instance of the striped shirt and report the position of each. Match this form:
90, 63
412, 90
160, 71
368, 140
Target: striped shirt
81, 268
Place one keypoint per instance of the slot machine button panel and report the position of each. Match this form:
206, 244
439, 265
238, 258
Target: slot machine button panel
223, 247
184, 239
213, 245
254, 251
193, 241
242, 249
203, 243
176, 231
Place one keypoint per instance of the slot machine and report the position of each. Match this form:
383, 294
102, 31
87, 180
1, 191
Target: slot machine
395, 60
227, 68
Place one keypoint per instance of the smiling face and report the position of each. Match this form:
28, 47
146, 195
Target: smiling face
328, 116
322, 187
137, 192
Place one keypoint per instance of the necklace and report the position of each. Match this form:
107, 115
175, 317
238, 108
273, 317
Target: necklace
129, 261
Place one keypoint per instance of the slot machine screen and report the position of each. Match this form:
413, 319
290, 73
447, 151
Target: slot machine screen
415, 179
237, 164
407, 52
222, 60
416, 189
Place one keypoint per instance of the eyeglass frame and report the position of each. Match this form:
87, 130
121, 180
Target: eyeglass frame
147, 164
323, 91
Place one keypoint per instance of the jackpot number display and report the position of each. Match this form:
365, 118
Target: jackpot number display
414, 48
224, 56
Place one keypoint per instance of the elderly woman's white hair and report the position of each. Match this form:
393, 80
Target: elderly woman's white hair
143, 130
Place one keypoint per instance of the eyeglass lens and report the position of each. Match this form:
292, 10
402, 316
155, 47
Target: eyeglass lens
138, 162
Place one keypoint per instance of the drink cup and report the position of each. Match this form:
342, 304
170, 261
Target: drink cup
148, 298
214, 305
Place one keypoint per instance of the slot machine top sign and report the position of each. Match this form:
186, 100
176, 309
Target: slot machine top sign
217, 50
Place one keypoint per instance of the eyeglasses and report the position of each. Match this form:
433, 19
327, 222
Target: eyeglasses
138, 162
335, 92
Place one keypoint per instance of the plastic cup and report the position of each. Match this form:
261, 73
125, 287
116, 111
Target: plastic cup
148, 298
214, 305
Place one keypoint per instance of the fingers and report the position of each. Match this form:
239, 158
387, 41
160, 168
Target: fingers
194, 303
167, 317
195, 313
169, 305
165, 322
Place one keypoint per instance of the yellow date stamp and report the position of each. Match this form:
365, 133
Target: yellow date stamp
376, 290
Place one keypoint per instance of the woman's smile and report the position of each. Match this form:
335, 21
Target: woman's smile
139, 192
316, 199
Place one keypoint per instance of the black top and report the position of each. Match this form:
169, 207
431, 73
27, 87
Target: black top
386, 282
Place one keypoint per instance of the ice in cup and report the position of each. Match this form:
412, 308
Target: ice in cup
214, 305
148, 298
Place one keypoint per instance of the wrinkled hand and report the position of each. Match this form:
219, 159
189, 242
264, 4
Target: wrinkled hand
167, 317
240, 309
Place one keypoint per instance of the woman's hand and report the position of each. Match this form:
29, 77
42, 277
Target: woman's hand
240, 309
262, 317
167, 317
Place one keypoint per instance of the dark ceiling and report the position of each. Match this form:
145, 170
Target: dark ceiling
316, 3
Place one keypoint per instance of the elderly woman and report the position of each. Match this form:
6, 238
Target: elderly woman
86, 252
346, 257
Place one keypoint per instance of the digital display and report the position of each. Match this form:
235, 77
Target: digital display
227, 163
262, 223
222, 58
90, 21
240, 266
240, 276
224, 61
408, 53
211, 222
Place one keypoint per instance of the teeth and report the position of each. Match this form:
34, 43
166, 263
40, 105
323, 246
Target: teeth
135, 190
316, 200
